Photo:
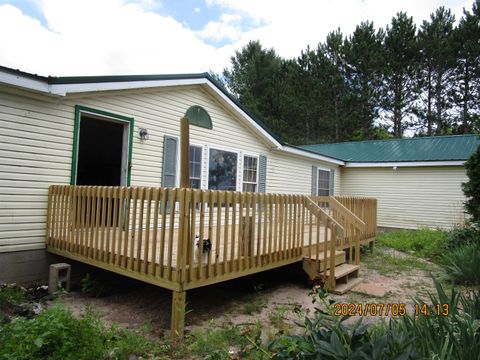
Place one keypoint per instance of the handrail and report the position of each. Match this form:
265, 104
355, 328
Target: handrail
335, 205
329, 223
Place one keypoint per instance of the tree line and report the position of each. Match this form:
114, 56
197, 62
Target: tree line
371, 84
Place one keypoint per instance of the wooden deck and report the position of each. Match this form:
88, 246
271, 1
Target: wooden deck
149, 233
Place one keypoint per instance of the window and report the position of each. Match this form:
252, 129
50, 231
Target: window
222, 170
323, 183
250, 166
195, 157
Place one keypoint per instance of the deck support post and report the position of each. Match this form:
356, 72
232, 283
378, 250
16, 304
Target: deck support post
178, 314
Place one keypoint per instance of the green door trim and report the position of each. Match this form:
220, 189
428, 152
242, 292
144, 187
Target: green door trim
79, 109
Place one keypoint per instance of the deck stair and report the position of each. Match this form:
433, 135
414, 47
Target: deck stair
346, 275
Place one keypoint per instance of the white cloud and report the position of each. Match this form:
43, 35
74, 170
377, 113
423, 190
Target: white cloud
289, 26
90, 37
227, 28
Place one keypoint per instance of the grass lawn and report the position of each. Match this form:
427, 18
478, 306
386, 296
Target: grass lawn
425, 243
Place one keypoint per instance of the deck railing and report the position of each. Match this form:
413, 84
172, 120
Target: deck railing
365, 209
150, 233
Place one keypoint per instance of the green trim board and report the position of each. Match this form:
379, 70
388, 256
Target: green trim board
79, 109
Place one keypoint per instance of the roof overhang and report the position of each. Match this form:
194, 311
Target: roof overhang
57, 88
311, 155
403, 164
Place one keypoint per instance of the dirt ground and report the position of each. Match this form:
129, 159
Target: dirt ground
276, 298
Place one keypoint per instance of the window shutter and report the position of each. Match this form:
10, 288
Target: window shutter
169, 161
262, 174
332, 182
314, 180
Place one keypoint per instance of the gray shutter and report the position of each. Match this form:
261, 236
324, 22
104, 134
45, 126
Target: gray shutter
169, 169
331, 182
314, 180
262, 174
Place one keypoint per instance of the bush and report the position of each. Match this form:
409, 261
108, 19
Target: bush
469, 234
462, 264
471, 188
57, 334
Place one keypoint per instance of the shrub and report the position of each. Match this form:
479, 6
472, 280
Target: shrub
468, 234
471, 188
462, 263
57, 334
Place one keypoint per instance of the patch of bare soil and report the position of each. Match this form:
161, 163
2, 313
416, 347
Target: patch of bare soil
276, 298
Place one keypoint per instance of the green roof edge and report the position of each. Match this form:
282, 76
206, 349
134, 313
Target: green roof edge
54, 80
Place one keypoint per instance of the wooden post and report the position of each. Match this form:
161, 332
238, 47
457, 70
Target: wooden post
184, 153
178, 314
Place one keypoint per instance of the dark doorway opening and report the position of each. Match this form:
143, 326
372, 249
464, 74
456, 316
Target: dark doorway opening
100, 152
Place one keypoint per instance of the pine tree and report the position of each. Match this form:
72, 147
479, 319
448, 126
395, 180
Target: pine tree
436, 48
466, 93
364, 57
400, 89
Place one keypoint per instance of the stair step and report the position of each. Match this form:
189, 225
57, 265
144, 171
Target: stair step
341, 289
344, 270
321, 256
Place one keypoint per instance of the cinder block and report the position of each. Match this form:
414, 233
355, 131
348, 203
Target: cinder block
59, 274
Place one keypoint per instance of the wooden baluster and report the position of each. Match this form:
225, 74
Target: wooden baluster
211, 206
133, 231
226, 264
193, 233
108, 225
161, 198
269, 204
88, 224
234, 232
146, 250
102, 223
202, 235
120, 224
183, 234
246, 232
175, 197
332, 255
66, 215
116, 204
240, 232
231, 205
218, 230
96, 222
276, 225
127, 239
325, 246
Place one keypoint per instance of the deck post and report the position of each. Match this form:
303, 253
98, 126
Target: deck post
178, 314
184, 153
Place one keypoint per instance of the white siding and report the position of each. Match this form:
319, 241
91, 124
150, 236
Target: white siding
36, 138
293, 175
410, 197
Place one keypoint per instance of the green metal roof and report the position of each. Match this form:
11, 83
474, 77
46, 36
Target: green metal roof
436, 148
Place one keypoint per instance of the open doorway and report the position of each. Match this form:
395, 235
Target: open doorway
102, 148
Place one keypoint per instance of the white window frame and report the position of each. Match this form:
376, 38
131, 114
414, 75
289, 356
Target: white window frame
201, 163
318, 179
243, 164
205, 162
239, 163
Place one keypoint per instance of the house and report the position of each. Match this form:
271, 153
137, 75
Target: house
417, 182
124, 131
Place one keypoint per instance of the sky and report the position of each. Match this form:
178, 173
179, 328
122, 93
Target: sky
108, 37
